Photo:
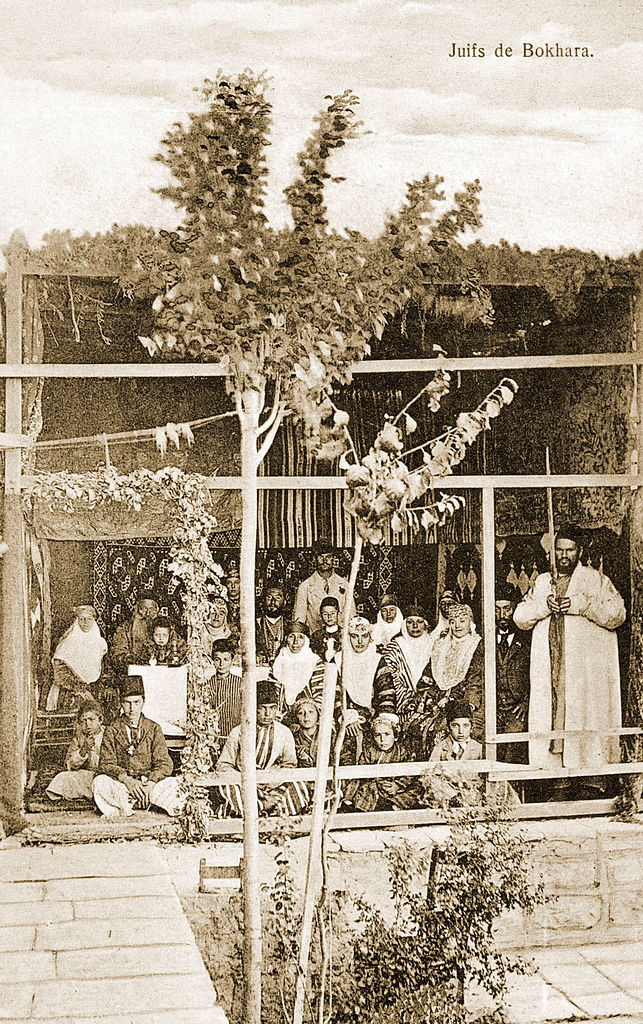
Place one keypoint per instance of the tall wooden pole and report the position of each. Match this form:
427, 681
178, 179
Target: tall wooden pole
13, 709
635, 681
249, 411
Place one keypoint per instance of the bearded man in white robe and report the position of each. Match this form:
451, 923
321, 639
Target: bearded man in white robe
574, 670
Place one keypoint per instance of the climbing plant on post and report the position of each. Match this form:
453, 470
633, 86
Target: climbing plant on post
286, 313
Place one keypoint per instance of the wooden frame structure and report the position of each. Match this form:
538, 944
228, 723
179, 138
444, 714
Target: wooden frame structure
14, 371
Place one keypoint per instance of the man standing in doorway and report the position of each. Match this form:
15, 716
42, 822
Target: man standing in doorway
512, 674
323, 582
574, 673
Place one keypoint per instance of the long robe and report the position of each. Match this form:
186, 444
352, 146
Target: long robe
592, 689
380, 794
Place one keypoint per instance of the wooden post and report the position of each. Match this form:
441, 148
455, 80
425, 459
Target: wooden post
13, 713
632, 708
489, 617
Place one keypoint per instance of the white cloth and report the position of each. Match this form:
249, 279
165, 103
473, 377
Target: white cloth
383, 632
451, 657
113, 798
358, 672
592, 677
71, 785
294, 670
310, 594
166, 695
416, 652
442, 626
83, 652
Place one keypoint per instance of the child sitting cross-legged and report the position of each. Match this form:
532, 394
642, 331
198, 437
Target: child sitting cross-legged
81, 760
382, 748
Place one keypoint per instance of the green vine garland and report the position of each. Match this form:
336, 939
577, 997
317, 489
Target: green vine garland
188, 499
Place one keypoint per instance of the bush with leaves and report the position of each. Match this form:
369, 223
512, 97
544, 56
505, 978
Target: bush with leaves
416, 968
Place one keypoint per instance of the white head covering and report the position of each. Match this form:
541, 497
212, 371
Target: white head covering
294, 670
416, 650
82, 651
452, 656
358, 669
383, 631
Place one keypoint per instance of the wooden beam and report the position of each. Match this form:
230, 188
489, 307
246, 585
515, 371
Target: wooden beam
494, 769
449, 483
389, 366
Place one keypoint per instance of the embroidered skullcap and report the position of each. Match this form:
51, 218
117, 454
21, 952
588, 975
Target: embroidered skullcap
359, 620
297, 627
415, 610
329, 602
132, 686
386, 600
213, 598
448, 595
268, 690
387, 716
456, 608
322, 546
85, 608
306, 699
458, 709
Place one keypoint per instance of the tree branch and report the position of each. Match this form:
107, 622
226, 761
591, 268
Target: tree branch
270, 436
274, 412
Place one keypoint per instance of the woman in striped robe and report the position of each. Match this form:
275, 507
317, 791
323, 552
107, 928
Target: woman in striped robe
401, 666
275, 749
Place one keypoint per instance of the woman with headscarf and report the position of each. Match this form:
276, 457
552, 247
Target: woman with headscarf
447, 598
455, 672
357, 665
77, 662
402, 664
298, 668
389, 621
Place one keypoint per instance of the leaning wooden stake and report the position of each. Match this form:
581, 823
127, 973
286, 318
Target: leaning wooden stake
314, 868
550, 521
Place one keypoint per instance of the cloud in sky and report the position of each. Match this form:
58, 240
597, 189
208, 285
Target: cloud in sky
88, 90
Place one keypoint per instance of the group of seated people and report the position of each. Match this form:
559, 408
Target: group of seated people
411, 690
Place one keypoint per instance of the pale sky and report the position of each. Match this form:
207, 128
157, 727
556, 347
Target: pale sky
88, 88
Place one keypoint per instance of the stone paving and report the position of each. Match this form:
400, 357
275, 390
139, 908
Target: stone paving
580, 983
96, 933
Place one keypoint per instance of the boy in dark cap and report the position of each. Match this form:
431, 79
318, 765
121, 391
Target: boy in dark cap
135, 766
328, 639
457, 745
275, 749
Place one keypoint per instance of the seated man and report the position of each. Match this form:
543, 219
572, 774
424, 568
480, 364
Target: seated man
275, 749
135, 766
128, 643
165, 647
81, 760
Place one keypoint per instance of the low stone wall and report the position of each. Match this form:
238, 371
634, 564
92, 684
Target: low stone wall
592, 867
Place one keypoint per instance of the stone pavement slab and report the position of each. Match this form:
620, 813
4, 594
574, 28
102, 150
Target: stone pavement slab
97, 933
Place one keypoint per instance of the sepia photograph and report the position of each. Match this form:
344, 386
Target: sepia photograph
321, 529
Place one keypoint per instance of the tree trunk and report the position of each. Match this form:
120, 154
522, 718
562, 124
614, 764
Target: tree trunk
251, 887
313, 873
